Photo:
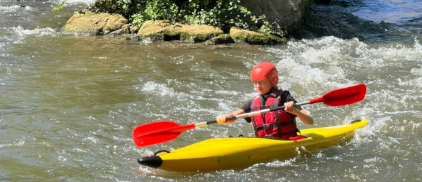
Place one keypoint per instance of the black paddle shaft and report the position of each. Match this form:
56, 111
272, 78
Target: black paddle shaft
250, 114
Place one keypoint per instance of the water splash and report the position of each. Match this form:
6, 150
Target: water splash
21, 34
13, 8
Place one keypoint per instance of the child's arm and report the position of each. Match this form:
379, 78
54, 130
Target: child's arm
302, 115
221, 119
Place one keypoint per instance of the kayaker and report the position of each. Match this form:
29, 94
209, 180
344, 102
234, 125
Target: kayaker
279, 124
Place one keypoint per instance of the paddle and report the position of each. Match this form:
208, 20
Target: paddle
163, 131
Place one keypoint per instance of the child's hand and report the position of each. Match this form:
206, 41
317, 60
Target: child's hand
290, 108
221, 119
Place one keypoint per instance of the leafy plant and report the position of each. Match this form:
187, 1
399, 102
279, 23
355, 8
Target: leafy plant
60, 6
219, 13
156, 10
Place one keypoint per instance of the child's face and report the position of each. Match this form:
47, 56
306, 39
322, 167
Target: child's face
262, 86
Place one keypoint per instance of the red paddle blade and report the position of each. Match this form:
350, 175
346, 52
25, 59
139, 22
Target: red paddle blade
158, 132
343, 96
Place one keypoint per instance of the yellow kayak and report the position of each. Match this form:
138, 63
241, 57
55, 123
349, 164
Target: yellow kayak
234, 153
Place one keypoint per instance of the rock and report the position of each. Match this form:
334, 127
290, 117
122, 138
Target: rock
89, 23
221, 39
133, 29
239, 35
286, 13
123, 31
166, 30
134, 38
126, 28
116, 32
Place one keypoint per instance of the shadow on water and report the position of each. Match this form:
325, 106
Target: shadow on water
337, 19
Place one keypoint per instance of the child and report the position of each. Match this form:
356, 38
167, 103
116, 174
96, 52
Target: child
279, 124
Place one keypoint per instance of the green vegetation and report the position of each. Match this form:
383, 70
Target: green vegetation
60, 6
219, 13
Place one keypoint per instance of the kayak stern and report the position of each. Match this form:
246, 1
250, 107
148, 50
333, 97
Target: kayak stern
151, 161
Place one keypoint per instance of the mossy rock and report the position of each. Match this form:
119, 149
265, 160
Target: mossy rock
166, 30
251, 37
221, 39
94, 23
198, 33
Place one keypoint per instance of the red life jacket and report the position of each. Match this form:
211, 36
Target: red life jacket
275, 124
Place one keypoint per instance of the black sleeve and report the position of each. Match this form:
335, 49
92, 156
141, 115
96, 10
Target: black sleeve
247, 108
290, 98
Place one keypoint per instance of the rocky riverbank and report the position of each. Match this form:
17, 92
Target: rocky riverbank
94, 21
91, 24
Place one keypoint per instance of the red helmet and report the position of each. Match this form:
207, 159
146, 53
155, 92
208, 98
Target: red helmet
265, 70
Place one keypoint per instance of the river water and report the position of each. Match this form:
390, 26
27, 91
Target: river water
68, 104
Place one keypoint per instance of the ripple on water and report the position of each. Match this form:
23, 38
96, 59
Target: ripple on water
13, 8
21, 34
391, 11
